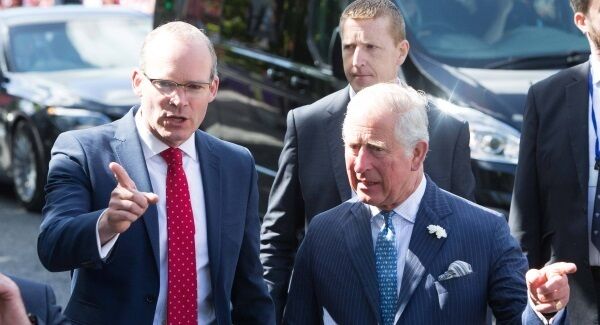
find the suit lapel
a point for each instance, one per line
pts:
(337, 112)
(211, 182)
(357, 234)
(577, 97)
(128, 151)
(423, 247)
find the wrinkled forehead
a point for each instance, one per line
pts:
(361, 126)
(367, 137)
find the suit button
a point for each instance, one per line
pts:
(149, 299)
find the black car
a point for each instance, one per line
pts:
(61, 68)
(276, 55)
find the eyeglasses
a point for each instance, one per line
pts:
(169, 87)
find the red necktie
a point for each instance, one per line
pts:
(182, 301)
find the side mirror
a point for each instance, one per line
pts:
(335, 55)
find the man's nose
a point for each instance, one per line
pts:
(362, 161)
(179, 96)
(357, 57)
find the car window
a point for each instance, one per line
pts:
(77, 44)
(494, 33)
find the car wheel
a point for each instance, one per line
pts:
(27, 172)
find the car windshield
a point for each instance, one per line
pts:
(77, 44)
(507, 34)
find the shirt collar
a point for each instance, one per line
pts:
(409, 208)
(595, 69)
(152, 146)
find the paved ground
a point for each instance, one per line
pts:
(18, 240)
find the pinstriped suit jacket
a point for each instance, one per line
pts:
(335, 267)
(312, 178)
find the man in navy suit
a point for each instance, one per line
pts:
(311, 177)
(119, 215)
(26, 302)
(405, 251)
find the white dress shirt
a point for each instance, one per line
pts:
(593, 174)
(157, 169)
(404, 221)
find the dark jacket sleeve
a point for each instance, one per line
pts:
(40, 302)
(55, 315)
(302, 305)
(448, 161)
(507, 293)
(525, 215)
(463, 180)
(283, 221)
(250, 300)
(68, 232)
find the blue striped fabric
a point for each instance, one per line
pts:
(335, 267)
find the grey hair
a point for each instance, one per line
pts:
(185, 32)
(402, 102)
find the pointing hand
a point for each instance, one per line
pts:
(549, 287)
(126, 205)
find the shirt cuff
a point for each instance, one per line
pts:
(556, 319)
(104, 250)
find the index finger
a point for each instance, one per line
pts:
(122, 177)
(560, 269)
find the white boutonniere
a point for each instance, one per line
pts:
(438, 231)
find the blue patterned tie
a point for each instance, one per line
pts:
(385, 263)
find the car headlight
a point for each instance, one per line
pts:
(75, 118)
(491, 139)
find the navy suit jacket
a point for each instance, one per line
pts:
(123, 289)
(335, 267)
(40, 302)
(312, 177)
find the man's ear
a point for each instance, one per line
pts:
(419, 154)
(402, 48)
(581, 22)
(214, 86)
(136, 82)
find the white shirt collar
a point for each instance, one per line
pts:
(152, 146)
(409, 208)
(595, 69)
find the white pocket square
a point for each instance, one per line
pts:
(456, 270)
(327, 319)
